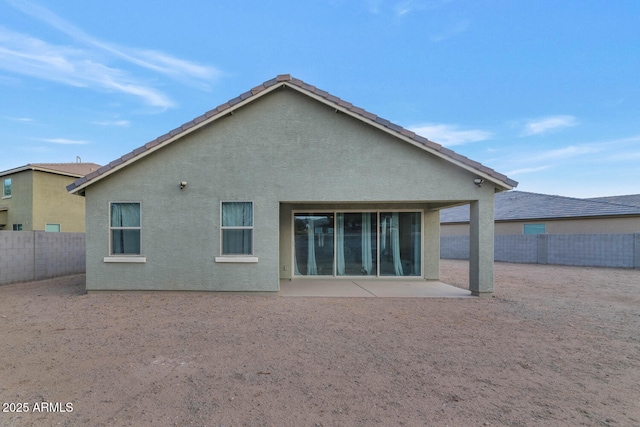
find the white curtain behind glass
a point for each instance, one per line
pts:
(312, 267)
(395, 244)
(367, 261)
(340, 244)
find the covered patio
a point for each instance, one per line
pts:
(370, 288)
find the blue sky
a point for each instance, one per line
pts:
(547, 92)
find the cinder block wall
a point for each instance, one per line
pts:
(37, 255)
(593, 250)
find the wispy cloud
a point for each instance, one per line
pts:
(452, 31)
(123, 123)
(450, 135)
(527, 170)
(545, 124)
(613, 150)
(404, 7)
(88, 64)
(19, 119)
(63, 141)
(401, 8)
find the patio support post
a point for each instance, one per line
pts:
(431, 252)
(481, 246)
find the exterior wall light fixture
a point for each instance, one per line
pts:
(183, 184)
(478, 182)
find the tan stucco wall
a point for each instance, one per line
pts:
(620, 225)
(52, 204)
(20, 204)
(39, 198)
(282, 149)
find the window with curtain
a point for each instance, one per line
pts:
(313, 248)
(237, 228)
(400, 243)
(358, 244)
(125, 228)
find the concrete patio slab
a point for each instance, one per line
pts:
(370, 289)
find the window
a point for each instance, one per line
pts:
(125, 228)
(6, 190)
(358, 244)
(237, 228)
(52, 228)
(17, 227)
(535, 229)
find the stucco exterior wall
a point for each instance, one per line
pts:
(40, 198)
(20, 204)
(52, 204)
(280, 150)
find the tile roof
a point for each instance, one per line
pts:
(630, 200)
(321, 95)
(71, 169)
(521, 205)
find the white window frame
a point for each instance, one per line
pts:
(6, 195)
(237, 258)
(123, 258)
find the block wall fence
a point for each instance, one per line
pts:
(587, 250)
(37, 255)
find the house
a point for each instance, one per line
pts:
(34, 197)
(520, 212)
(284, 182)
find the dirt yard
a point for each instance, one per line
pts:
(557, 346)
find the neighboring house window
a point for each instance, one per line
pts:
(6, 190)
(125, 228)
(52, 228)
(17, 227)
(535, 229)
(237, 228)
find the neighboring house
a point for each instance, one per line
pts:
(519, 212)
(34, 197)
(283, 182)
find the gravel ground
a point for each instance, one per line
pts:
(556, 346)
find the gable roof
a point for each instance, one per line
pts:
(76, 169)
(285, 80)
(521, 205)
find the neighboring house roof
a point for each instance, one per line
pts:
(521, 205)
(75, 170)
(313, 92)
(630, 200)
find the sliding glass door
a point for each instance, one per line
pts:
(400, 244)
(358, 244)
(313, 244)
